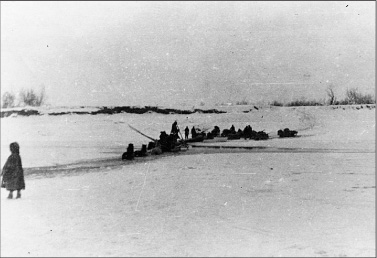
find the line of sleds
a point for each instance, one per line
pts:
(174, 141)
(229, 134)
(232, 134)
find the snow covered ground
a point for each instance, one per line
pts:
(312, 195)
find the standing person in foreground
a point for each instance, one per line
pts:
(13, 173)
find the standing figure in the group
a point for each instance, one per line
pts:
(163, 140)
(174, 128)
(232, 129)
(216, 131)
(193, 132)
(13, 173)
(187, 131)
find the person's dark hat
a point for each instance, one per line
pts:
(14, 147)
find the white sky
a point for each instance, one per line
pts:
(130, 53)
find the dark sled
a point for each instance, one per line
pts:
(287, 133)
(198, 138)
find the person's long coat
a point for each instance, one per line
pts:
(13, 173)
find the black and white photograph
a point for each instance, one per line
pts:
(188, 129)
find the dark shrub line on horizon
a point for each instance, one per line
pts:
(140, 110)
(23, 112)
(113, 110)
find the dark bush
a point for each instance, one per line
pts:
(276, 103)
(353, 96)
(304, 102)
(243, 102)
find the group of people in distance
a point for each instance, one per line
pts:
(168, 142)
(175, 130)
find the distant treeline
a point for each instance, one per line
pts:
(112, 110)
(353, 97)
